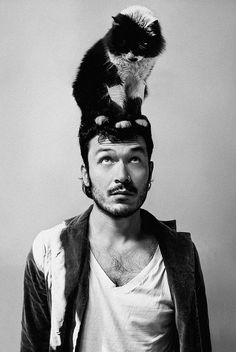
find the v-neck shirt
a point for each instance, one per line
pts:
(137, 316)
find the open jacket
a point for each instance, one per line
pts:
(57, 279)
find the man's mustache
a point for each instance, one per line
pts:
(123, 188)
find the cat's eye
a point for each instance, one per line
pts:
(143, 45)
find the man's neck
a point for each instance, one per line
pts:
(119, 245)
(109, 229)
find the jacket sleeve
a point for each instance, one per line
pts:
(36, 314)
(202, 306)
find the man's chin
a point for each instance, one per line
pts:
(118, 210)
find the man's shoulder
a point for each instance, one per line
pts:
(164, 228)
(53, 233)
(49, 241)
(176, 247)
(46, 236)
(45, 241)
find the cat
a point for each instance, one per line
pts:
(110, 85)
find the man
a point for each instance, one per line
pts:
(114, 278)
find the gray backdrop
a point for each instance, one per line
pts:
(192, 109)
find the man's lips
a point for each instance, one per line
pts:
(123, 191)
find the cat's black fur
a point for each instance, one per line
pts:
(109, 65)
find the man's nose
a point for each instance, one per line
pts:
(121, 173)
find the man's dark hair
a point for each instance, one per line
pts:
(115, 135)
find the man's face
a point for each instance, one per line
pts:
(119, 175)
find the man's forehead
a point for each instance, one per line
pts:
(99, 143)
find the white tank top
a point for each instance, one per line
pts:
(137, 316)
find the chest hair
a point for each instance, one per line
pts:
(123, 266)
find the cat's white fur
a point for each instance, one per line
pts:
(133, 75)
(140, 14)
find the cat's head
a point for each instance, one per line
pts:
(135, 34)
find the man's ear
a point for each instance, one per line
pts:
(85, 176)
(151, 167)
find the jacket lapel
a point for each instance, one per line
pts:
(178, 255)
(77, 251)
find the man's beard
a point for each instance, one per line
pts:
(110, 209)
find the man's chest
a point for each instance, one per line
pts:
(138, 315)
(121, 267)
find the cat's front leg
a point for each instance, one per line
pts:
(134, 107)
(142, 121)
(114, 112)
(134, 110)
(135, 93)
(111, 113)
(107, 108)
(117, 95)
(101, 119)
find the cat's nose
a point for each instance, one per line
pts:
(133, 59)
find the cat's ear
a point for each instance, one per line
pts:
(115, 21)
(155, 28)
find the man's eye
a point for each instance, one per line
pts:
(135, 160)
(106, 160)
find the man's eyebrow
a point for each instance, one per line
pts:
(133, 149)
(139, 149)
(104, 150)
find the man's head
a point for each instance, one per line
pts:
(117, 167)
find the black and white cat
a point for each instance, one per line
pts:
(110, 85)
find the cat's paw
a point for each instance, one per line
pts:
(101, 119)
(142, 122)
(123, 124)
